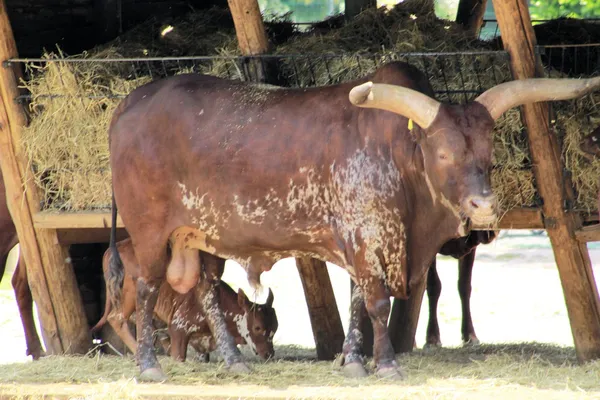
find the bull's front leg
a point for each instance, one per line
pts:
(207, 292)
(147, 295)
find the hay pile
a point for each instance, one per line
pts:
(67, 139)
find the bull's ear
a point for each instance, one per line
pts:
(270, 298)
(242, 299)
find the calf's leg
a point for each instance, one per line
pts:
(434, 289)
(20, 285)
(465, 269)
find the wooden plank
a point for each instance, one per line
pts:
(518, 218)
(52, 279)
(91, 235)
(588, 233)
(572, 258)
(354, 7)
(470, 15)
(74, 220)
(322, 307)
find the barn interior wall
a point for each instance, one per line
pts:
(77, 25)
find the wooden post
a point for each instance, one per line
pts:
(108, 22)
(322, 307)
(572, 258)
(51, 277)
(354, 7)
(470, 15)
(251, 35)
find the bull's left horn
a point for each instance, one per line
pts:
(414, 105)
(507, 95)
(270, 298)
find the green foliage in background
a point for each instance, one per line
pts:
(550, 9)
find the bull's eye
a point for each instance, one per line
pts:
(257, 329)
(443, 156)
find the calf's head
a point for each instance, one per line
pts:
(590, 145)
(456, 140)
(257, 324)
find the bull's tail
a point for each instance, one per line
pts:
(116, 273)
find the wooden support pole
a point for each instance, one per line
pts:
(572, 258)
(322, 307)
(470, 15)
(251, 35)
(51, 277)
(354, 7)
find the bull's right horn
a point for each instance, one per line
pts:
(507, 95)
(409, 103)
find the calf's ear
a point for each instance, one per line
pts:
(270, 298)
(242, 299)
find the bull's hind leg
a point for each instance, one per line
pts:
(353, 344)
(152, 258)
(465, 269)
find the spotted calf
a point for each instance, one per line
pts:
(247, 322)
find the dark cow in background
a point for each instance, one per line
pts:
(256, 174)
(464, 250)
(249, 323)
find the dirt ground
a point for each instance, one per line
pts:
(517, 297)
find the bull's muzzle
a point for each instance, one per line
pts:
(482, 210)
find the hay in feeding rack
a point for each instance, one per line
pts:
(67, 140)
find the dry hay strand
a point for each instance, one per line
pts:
(66, 142)
(445, 371)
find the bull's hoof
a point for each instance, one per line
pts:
(431, 347)
(240, 368)
(472, 342)
(36, 355)
(338, 362)
(392, 373)
(355, 370)
(153, 375)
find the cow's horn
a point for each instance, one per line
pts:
(507, 95)
(270, 298)
(414, 105)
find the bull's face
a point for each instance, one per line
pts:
(457, 151)
(456, 140)
(261, 325)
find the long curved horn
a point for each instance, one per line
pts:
(414, 105)
(507, 95)
(270, 298)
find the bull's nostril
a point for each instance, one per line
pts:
(474, 204)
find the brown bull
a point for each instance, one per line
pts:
(256, 174)
(8, 240)
(249, 323)
(464, 250)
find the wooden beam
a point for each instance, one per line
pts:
(74, 220)
(354, 7)
(51, 278)
(517, 218)
(91, 235)
(470, 15)
(572, 258)
(322, 307)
